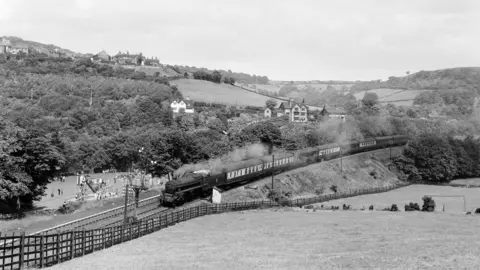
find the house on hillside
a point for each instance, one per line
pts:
(296, 112)
(152, 62)
(129, 59)
(102, 57)
(269, 113)
(182, 106)
(7, 47)
(334, 112)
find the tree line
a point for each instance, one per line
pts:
(438, 158)
(215, 77)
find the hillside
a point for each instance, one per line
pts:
(293, 238)
(48, 49)
(442, 79)
(397, 97)
(199, 90)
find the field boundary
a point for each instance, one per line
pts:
(49, 249)
(104, 215)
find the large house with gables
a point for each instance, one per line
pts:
(182, 106)
(296, 112)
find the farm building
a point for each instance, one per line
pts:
(102, 57)
(296, 112)
(182, 106)
(334, 112)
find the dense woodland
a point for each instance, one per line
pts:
(60, 117)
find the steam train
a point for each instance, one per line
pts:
(200, 183)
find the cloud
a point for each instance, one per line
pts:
(5, 10)
(304, 39)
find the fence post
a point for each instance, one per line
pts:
(58, 247)
(139, 227)
(83, 242)
(72, 245)
(103, 237)
(22, 247)
(42, 249)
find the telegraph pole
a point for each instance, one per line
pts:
(273, 168)
(341, 160)
(390, 150)
(126, 203)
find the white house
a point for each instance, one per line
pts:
(182, 106)
(296, 112)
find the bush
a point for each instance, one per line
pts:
(371, 207)
(394, 208)
(346, 207)
(308, 206)
(412, 207)
(319, 191)
(428, 204)
(477, 211)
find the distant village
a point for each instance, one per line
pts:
(121, 58)
(296, 112)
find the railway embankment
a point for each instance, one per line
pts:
(363, 170)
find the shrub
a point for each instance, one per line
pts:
(412, 207)
(394, 208)
(345, 207)
(334, 207)
(477, 211)
(308, 206)
(334, 188)
(428, 204)
(371, 207)
(319, 191)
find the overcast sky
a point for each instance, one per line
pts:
(284, 40)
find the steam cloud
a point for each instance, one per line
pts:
(239, 154)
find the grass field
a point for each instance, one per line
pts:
(394, 96)
(467, 182)
(295, 239)
(199, 90)
(415, 193)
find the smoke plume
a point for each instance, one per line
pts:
(239, 154)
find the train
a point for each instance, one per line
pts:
(200, 183)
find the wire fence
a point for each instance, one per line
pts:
(46, 249)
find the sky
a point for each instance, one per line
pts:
(284, 40)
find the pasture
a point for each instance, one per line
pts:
(206, 91)
(395, 96)
(291, 238)
(414, 193)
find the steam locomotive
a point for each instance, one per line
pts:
(200, 183)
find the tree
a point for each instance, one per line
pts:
(271, 104)
(216, 76)
(411, 113)
(370, 99)
(185, 75)
(429, 157)
(28, 161)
